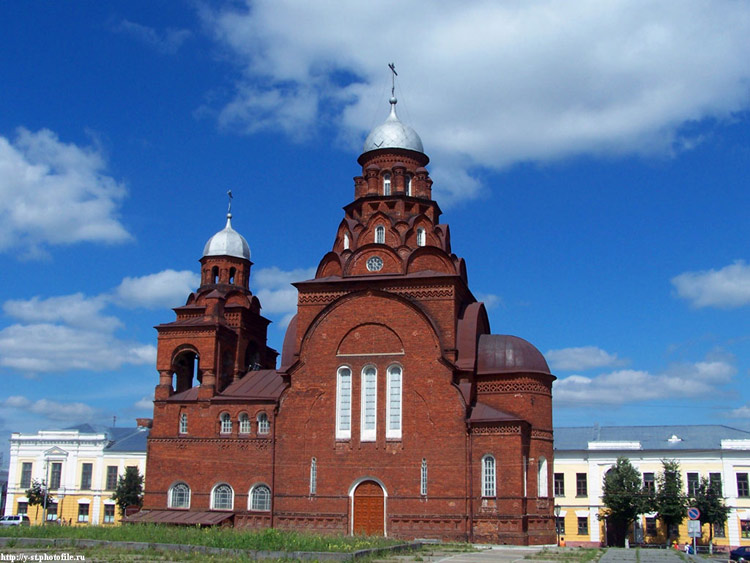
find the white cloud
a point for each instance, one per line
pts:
(75, 310)
(276, 294)
(144, 404)
(167, 42)
(580, 359)
(168, 288)
(52, 193)
(52, 410)
(491, 84)
(490, 300)
(634, 386)
(740, 412)
(725, 288)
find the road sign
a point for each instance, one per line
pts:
(694, 513)
(694, 528)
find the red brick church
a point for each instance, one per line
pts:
(394, 409)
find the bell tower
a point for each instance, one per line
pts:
(219, 334)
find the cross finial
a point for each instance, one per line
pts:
(392, 66)
(229, 209)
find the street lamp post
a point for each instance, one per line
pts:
(557, 523)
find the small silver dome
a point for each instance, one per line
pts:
(227, 242)
(393, 135)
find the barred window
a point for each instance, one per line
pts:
(488, 476)
(386, 184)
(183, 423)
(393, 414)
(343, 403)
(264, 426)
(244, 423)
(380, 234)
(260, 498)
(179, 496)
(423, 480)
(222, 497)
(313, 476)
(226, 423)
(369, 403)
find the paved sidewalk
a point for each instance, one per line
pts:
(617, 555)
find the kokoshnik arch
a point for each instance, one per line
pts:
(393, 411)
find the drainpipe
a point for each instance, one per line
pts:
(273, 465)
(469, 469)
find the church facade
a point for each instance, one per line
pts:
(393, 409)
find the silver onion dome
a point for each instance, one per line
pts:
(227, 242)
(393, 134)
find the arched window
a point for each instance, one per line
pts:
(260, 498)
(407, 180)
(222, 497)
(423, 478)
(420, 236)
(226, 423)
(183, 423)
(369, 403)
(215, 274)
(393, 408)
(542, 489)
(244, 423)
(386, 184)
(380, 234)
(346, 241)
(263, 425)
(343, 403)
(313, 476)
(179, 496)
(232, 273)
(488, 476)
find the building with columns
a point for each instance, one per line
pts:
(393, 409)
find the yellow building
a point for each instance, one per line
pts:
(584, 455)
(80, 464)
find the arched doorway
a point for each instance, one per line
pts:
(369, 509)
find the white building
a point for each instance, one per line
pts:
(584, 455)
(80, 464)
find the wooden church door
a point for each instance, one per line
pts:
(369, 509)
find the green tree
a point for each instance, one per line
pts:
(623, 498)
(709, 501)
(129, 491)
(38, 496)
(670, 500)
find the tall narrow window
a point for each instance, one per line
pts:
(649, 483)
(393, 408)
(369, 403)
(583, 525)
(183, 423)
(488, 476)
(407, 181)
(559, 484)
(25, 475)
(313, 476)
(226, 423)
(83, 512)
(386, 184)
(109, 513)
(714, 480)
(344, 404)
(423, 478)
(346, 241)
(111, 477)
(244, 423)
(542, 489)
(693, 479)
(420, 236)
(380, 234)
(743, 488)
(86, 471)
(264, 426)
(55, 476)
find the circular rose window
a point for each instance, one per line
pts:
(375, 263)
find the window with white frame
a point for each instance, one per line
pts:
(25, 482)
(420, 236)
(346, 241)
(344, 403)
(313, 476)
(407, 180)
(393, 408)
(183, 423)
(380, 234)
(179, 496)
(542, 489)
(260, 498)
(109, 513)
(369, 402)
(83, 512)
(423, 478)
(244, 423)
(222, 497)
(386, 184)
(264, 426)
(488, 476)
(226, 423)
(743, 486)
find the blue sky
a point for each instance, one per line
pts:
(591, 159)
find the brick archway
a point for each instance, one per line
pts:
(369, 509)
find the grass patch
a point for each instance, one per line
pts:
(568, 555)
(229, 538)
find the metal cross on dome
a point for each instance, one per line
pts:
(392, 66)
(229, 193)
